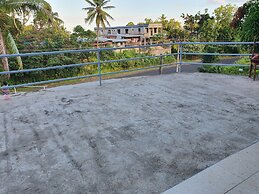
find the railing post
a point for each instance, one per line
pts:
(99, 67)
(161, 63)
(179, 58)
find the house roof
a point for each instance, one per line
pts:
(125, 27)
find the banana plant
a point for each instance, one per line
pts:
(13, 49)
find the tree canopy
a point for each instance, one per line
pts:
(246, 20)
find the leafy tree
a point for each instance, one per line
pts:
(79, 31)
(163, 20)
(148, 20)
(90, 34)
(190, 23)
(24, 9)
(217, 27)
(130, 24)
(47, 39)
(223, 18)
(174, 30)
(42, 20)
(97, 12)
(202, 19)
(17, 9)
(246, 20)
(209, 32)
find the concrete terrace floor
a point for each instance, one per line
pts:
(136, 135)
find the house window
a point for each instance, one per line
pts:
(127, 31)
(139, 30)
(155, 30)
(109, 31)
(119, 31)
(146, 30)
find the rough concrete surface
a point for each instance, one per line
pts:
(137, 135)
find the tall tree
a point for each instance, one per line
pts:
(97, 11)
(202, 19)
(163, 20)
(23, 10)
(174, 30)
(18, 10)
(223, 18)
(217, 27)
(42, 20)
(190, 23)
(246, 20)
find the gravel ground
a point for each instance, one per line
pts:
(135, 135)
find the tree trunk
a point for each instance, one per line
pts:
(97, 38)
(3, 52)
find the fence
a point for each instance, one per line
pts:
(99, 63)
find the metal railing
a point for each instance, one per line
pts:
(99, 63)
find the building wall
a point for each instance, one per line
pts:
(153, 29)
(145, 30)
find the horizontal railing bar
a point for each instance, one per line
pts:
(48, 53)
(48, 81)
(122, 48)
(78, 65)
(110, 61)
(220, 43)
(83, 50)
(120, 60)
(80, 77)
(138, 69)
(47, 68)
(215, 64)
(217, 54)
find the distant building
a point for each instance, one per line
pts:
(133, 35)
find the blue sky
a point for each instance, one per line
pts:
(71, 12)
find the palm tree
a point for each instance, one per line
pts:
(42, 20)
(24, 9)
(11, 9)
(97, 12)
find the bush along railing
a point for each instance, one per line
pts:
(214, 50)
(50, 67)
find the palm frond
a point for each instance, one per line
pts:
(90, 17)
(109, 16)
(104, 2)
(108, 7)
(91, 3)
